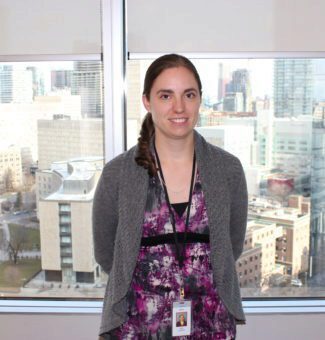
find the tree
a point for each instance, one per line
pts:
(19, 201)
(8, 179)
(6, 206)
(18, 239)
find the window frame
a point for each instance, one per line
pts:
(114, 59)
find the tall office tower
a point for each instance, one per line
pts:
(87, 82)
(223, 80)
(233, 102)
(60, 79)
(77, 138)
(292, 150)
(65, 223)
(293, 87)
(5, 84)
(318, 177)
(15, 84)
(38, 81)
(317, 263)
(240, 83)
(22, 80)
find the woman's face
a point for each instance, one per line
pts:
(174, 103)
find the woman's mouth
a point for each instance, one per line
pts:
(178, 120)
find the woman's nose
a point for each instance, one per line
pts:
(179, 105)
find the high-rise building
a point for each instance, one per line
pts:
(233, 102)
(223, 80)
(38, 81)
(5, 84)
(240, 83)
(292, 150)
(65, 224)
(87, 82)
(293, 87)
(62, 139)
(16, 84)
(60, 79)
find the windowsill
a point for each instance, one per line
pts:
(95, 307)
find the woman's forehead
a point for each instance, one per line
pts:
(176, 77)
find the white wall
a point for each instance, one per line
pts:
(85, 327)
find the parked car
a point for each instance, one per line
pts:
(296, 283)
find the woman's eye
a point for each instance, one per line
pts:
(191, 95)
(165, 96)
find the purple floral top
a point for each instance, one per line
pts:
(157, 277)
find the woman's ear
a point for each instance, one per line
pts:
(146, 103)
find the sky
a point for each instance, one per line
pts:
(261, 74)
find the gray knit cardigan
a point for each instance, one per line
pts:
(118, 214)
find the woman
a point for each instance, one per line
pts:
(169, 219)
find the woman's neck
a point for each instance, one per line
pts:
(175, 150)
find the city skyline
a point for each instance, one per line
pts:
(276, 153)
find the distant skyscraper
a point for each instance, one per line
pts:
(223, 80)
(241, 84)
(38, 81)
(318, 175)
(16, 84)
(6, 84)
(293, 87)
(60, 79)
(233, 102)
(87, 82)
(292, 150)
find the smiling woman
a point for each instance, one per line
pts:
(169, 220)
(174, 102)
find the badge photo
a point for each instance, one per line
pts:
(182, 318)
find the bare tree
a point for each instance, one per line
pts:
(8, 179)
(18, 239)
(19, 200)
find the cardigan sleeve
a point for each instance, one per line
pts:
(105, 214)
(238, 213)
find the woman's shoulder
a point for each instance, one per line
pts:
(115, 165)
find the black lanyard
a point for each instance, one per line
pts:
(179, 252)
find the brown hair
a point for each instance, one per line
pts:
(144, 157)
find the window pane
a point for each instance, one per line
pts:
(271, 115)
(51, 155)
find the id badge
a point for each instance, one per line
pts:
(182, 318)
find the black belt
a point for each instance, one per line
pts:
(170, 239)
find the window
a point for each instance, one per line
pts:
(51, 119)
(282, 107)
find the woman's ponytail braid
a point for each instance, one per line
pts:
(144, 157)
